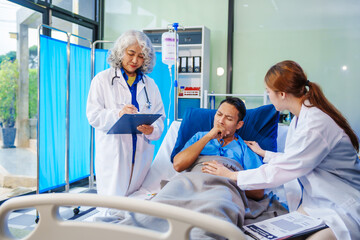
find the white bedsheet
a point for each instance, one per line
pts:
(161, 168)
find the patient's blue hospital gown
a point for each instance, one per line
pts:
(236, 149)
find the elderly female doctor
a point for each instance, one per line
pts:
(123, 160)
(320, 151)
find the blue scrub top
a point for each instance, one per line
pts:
(236, 149)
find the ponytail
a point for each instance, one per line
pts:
(317, 98)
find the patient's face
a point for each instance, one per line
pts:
(227, 116)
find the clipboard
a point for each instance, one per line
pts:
(128, 123)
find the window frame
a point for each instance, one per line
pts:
(48, 10)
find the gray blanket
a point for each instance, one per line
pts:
(214, 195)
(206, 193)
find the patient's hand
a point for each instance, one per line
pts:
(255, 194)
(218, 131)
(215, 168)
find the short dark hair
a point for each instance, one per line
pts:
(238, 104)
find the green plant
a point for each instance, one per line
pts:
(33, 93)
(9, 56)
(9, 75)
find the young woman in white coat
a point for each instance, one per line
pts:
(123, 160)
(320, 151)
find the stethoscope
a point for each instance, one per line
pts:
(148, 103)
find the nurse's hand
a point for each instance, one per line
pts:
(145, 129)
(128, 109)
(215, 168)
(256, 148)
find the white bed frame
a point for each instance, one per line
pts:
(51, 226)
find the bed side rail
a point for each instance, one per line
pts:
(51, 226)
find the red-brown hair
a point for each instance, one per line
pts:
(289, 77)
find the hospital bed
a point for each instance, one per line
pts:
(51, 226)
(181, 220)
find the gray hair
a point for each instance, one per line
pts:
(128, 38)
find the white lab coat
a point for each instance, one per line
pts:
(113, 152)
(318, 153)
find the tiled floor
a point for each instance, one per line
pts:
(19, 161)
(18, 170)
(22, 163)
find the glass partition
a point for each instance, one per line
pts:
(18, 99)
(322, 36)
(85, 8)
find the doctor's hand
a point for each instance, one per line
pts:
(215, 168)
(256, 148)
(128, 109)
(145, 129)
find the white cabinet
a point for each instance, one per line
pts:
(193, 79)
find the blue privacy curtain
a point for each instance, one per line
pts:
(79, 143)
(52, 113)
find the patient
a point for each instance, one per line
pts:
(222, 140)
(206, 193)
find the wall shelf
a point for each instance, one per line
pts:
(193, 42)
(189, 96)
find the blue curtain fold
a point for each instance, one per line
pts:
(79, 133)
(52, 113)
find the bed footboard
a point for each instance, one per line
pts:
(51, 226)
